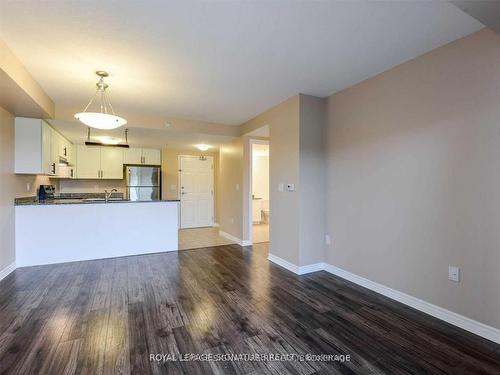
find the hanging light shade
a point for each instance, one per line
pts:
(106, 118)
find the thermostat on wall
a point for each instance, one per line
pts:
(290, 187)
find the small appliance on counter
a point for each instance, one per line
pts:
(143, 183)
(46, 192)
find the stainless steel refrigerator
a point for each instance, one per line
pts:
(143, 183)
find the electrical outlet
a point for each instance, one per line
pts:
(454, 274)
(28, 187)
(281, 187)
(328, 240)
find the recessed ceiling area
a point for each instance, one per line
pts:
(222, 62)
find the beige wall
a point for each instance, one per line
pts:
(260, 176)
(19, 92)
(283, 121)
(413, 177)
(7, 189)
(296, 129)
(12, 186)
(230, 188)
(170, 168)
(312, 180)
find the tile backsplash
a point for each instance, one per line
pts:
(90, 186)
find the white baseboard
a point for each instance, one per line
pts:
(235, 239)
(7, 270)
(478, 328)
(299, 270)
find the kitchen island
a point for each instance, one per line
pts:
(58, 231)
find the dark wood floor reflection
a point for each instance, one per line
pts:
(109, 316)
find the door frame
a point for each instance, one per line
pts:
(179, 187)
(252, 142)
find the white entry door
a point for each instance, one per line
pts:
(196, 180)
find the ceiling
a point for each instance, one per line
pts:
(222, 62)
(141, 137)
(486, 11)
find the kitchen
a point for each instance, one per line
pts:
(129, 219)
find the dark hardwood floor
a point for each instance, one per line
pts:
(109, 316)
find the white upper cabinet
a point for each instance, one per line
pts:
(95, 162)
(151, 156)
(146, 156)
(65, 149)
(112, 163)
(47, 166)
(37, 147)
(88, 162)
(132, 156)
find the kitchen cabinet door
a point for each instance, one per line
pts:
(55, 142)
(112, 163)
(88, 162)
(64, 148)
(132, 156)
(46, 149)
(151, 156)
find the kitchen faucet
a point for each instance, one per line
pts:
(108, 195)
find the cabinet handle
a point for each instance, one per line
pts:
(71, 172)
(54, 168)
(98, 174)
(65, 152)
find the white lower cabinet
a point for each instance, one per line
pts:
(99, 162)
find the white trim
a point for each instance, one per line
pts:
(468, 324)
(311, 268)
(7, 270)
(299, 270)
(478, 328)
(252, 142)
(235, 239)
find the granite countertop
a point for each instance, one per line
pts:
(33, 201)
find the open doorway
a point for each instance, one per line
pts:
(260, 212)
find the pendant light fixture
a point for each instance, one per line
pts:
(106, 118)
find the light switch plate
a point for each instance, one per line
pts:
(454, 273)
(281, 187)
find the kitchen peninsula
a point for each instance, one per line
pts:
(67, 230)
